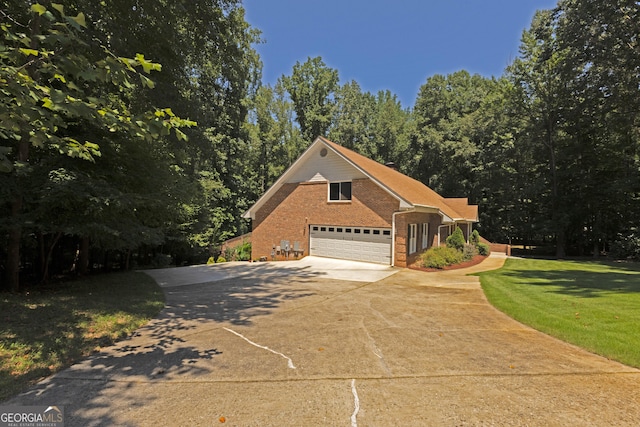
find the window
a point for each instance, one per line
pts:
(425, 235)
(331, 229)
(412, 234)
(357, 231)
(386, 233)
(339, 230)
(339, 191)
(347, 230)
(376, 231)
(367, 231)
(323, 228)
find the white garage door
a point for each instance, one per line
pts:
(354, 243)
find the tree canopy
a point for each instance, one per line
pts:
(102, 164)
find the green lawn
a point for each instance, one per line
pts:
(595, 305)
(42, 332)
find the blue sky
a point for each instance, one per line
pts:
(394, 45)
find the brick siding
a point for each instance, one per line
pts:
(289, 212)
(402, 240)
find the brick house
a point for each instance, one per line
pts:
(336, 203)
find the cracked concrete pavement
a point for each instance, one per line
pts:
(300, 343)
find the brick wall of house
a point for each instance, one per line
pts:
(289, 212)
(402, 241)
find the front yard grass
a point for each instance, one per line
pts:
(594, 305)
(42, 332)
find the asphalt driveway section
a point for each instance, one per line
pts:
(412, 348)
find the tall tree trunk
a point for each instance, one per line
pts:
(15, 233)
(45, 273)
(13, 246)
(83, 267)
(555, 193)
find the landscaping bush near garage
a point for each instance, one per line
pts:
(595, 305)
(45, 330)
(456, 251)
(441, 257)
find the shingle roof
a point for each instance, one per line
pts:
(412, 191)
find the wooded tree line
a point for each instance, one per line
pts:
(104, 95)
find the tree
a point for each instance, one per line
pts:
(312, 88)
(579, 82)
(52, 86)
(354, 115)
(390, 131)
(447, 136)
(212, 71)
(601, 41)
(276, 141)
(536, 73)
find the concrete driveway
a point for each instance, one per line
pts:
(310, 266)
(271, 345)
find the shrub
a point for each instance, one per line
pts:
(475, 238)
(211, 260)
(243, 252)
(440, 257)
(469, 252)
(221, 259)
(456, 240)
(626, 247)
(483, 249)
(161, 261)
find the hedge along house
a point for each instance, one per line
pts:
(333, 202)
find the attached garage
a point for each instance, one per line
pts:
(354, 243)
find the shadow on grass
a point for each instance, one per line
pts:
(591, 282)
(45, 330)
(161, 350)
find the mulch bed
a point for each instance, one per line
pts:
(473, 261)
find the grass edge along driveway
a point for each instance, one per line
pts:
(594, 305)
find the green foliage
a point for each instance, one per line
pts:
(626, 247)
(441, 257)
(211, 261)
(590, 304)
(469, 252)
(67, 97)
(311, 87)
(162, 261)
(44, 95)
(243, 252)
(456, 240)
(475, 238)
(483, 249)
(221, 259)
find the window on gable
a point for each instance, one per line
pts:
(340, 191)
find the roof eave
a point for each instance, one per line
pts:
(405, 204)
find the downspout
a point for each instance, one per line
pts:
(393, 234)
